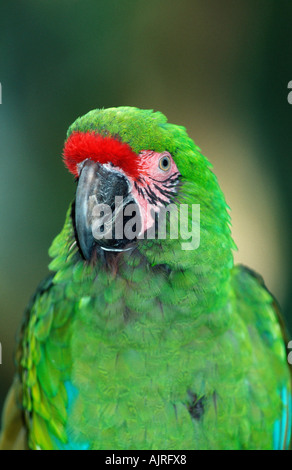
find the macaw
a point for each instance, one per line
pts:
(149, 339)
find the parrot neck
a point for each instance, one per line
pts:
(148, 280)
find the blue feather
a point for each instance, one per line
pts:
(72, 444)
(282, 427)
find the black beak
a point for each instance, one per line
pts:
(98, 211)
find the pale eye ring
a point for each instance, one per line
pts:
(164, 163)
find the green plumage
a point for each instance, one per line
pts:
(168, 349)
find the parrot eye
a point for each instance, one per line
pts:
(164, 163)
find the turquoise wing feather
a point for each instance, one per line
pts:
(266, 325)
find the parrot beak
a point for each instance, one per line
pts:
(97, 210)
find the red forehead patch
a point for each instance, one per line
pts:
(103, 149)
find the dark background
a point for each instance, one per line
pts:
(220, 68)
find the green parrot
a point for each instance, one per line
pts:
(138, 340)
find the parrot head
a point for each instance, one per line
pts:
(130, 164)
(110, 175)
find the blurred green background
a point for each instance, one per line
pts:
(221, 68)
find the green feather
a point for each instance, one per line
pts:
(172, 349)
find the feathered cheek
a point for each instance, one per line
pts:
(148, 216)
(147, 212)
